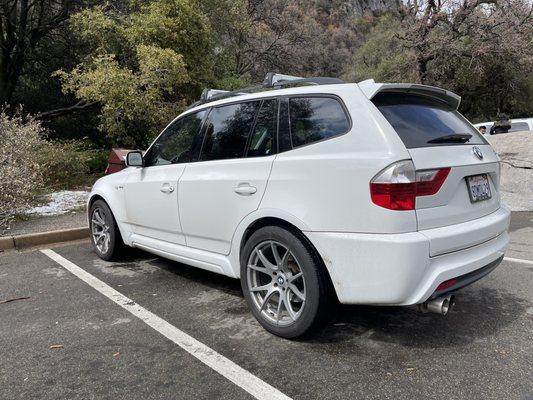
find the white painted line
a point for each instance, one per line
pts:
(518, 260)
(225, 367)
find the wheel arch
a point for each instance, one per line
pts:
(295, 226)
(118, 216)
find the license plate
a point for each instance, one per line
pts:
(478, 187)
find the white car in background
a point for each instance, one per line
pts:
(517, 125)
(370, 193)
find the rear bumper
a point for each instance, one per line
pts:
(398, 269)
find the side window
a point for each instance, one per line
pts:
(316, 118)
(174, 145)
(262, 137)
(519, 126)
(227, 131)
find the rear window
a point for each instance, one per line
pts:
(519, 126)
(418, 120)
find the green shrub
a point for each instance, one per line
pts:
(21, 140)
(97, 161)
(65, 164)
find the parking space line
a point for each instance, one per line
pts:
(225, 367)
(518, 260)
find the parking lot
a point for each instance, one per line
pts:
(101, 333)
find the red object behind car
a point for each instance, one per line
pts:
(116, 161)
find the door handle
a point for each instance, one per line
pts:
(166, 188)
(245, 189)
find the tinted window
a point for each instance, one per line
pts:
(519, 126)
(418, 119)
(262, 137)
(227, 131)
(316, 118)
(175, 143)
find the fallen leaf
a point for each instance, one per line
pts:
(56, 346)
(411, 369)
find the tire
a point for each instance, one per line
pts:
(278, 265)
(105, 235)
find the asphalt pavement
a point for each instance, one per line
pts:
(64, 339)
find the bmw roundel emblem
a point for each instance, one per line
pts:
(477, 152)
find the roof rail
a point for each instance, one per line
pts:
(271, 81)
(208, 94)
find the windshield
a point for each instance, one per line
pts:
(422, 121)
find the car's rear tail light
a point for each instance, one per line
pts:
(397, 186)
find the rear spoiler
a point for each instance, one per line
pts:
(371, 88)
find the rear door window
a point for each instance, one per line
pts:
(313, 119)
(419, 120)
(262, 137)
(227, 131)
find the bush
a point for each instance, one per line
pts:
(70, 164)
(97, 161)
(21, 140)
(65, 165)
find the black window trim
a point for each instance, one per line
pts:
(275, 136)
(199, 132)
(275, 148)
(318, 95)
(203, 130)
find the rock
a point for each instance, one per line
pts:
(516, 182)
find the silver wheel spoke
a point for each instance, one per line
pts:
(261, 288)
(275, 253)
(297, 292)
(288, 306)
(285, 259)
(294, 277)
(259, 269)
(267, 298)
(281, 302)
(265, 261)
(99, 217)
(96, 222)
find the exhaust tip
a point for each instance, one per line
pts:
(440, 305)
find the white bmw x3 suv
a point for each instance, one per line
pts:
(371, 193)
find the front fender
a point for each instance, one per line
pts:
(111, 189)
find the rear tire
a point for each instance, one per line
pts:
(283, 282)
(105, 235)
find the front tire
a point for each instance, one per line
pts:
(283, 282)
(105, 235)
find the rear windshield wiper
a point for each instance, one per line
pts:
(453, 138)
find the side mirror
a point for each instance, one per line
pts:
(134, 159)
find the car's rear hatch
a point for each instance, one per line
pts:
(438, 137)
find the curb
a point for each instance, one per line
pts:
(37, 239)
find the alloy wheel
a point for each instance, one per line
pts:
(276, 283)
(100, 230)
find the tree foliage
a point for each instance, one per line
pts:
(480, 49)
(129, 66)
(143, 66)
